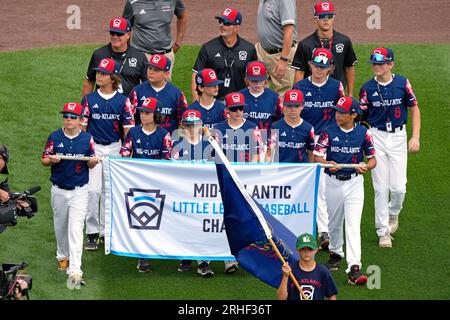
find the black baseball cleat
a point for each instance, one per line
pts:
(355, 277)
(185, 266)
(205, 270)
(92, 242)
(324, 241)
(143, 265)
(334, 260)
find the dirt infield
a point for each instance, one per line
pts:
(35, 24)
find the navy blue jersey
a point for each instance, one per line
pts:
(211, 116)
(264, 109)
(291, 143)
(104, 118)
(69, 173)
(239, 145)
(318, 101)
(139, 144)
(387, 103)
(317, 284)
(345, 147)
(184, 150)
(172, 99)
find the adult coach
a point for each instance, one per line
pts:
(70, 190)
(151, 21)
(326, 37)
(277, 33)
(228, 55)
(387, 98)
(132, 62)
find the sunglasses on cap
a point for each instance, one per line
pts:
(325, 16)
(321, 59)
(378, 57)
(113, 33)
(225, 23)
(234, 109)
(70, 116)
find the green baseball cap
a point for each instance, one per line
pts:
(306, 240)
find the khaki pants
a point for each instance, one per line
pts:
(280, 85)
(171, 56)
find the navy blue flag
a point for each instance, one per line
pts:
(246, 236)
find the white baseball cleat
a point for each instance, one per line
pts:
(385, 241)
(393, 223)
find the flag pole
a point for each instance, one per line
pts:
(252, 204)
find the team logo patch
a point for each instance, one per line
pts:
(339, 47)
(212, 75)
(325, 6)
(227, 12)
(236, 98)
(144, 208)
(132, 62)
(116, 23)
(104, 63)
(256, 71)
(156, 59)
(243, 55)
(308, 291)
(293, 96)
(341, 102)
(192, 114)
(71, 106)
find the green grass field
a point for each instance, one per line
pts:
(36, 83)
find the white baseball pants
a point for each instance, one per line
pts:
(345, 201)
(322, 212)
(95, 219)
(389, 176)
(69, 212)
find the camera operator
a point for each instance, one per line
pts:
(4, 186)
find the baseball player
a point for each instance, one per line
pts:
(314, 279)
(148, 141)
(386, 99)
(291, 138)
(171, 98)
(192, 147)
(240, 138)
(211, 109)
(341, 143)
(70, 191)
(320, 92)
(105, 113)
(262, 105)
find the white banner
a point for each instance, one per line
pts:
(173, 209)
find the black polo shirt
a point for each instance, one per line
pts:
(227, 62)
(133, 65)
(341, 47)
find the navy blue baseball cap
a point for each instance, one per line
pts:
(348, 105)
(381, 56)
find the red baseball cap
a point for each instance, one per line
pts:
(107, 66)
(381, 55)
(150, 105)
(322, 57)
(73, 107)
(160, 62)
(230, 15)
(256, 71)
(207, 78)
(348, 105)
(293, 98)
(234, 99)
(191, 117)
(119, 25)
(323, 8)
